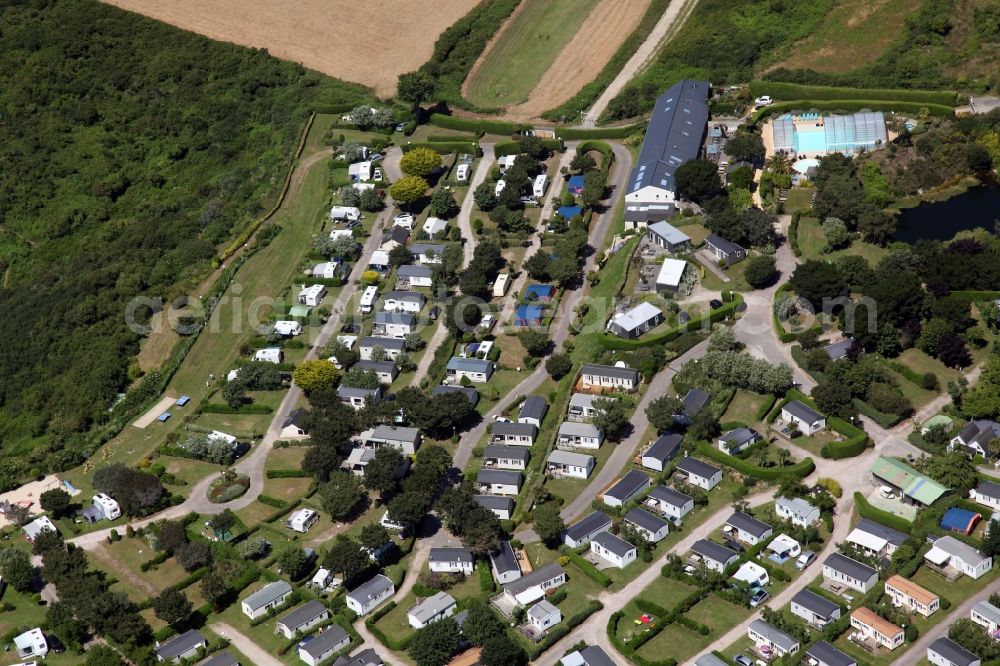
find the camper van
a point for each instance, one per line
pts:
(541, 184)
(462, 173)
(349, 213)
(368, 299)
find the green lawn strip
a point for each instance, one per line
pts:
(744, 407)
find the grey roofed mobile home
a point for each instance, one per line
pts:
(533, 407)
(709, 659)
(645, 520)
(221, 659)
(694, 466)
(666, 447)
(355, 392)
(370, 589)
(670, 234)
(499, 476)
(459, 364)
(747, 523)
(470, 393)
(267, 594)
(722, 245)
(388, 344)
(895, 537)
(988, 611)
(514, 429)
(304, 614)
(384, 432)
(669, 496)
(630, 485)
(404, 295)
(827, 655)
(591, 655)
(737, 438)
(430, 607)
(413, 271)
(180, 646)
(495, 503)
(513, 452)
(953, 652)
(630, 374)
(614, 544)
(713, 551)
(802, 411)
(395, 318)
(694, 400)
(328, 639)
(673, 137)
(989, 489)
(367, 657)
(773, 634)
(504, 559)
(445, 554)
(581, 530)
(529, 580)
(849, 567)
(814, 603)
(378, 367)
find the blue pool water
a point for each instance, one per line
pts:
(810, 142)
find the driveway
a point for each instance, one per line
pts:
(242, 642)
(468, 204)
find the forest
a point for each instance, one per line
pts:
(129, 151)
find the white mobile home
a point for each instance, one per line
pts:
(367, 596)
(266, 599)
(540, 185)
(349, 213)
(368, 299)
(312, 295)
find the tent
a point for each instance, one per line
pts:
(960, 520)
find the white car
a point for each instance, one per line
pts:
(886, 492)
(487, 322)
(762, 101)
(377, 174)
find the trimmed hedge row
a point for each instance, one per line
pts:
(272, 501)
(857, 439)
(781, 90)
(447, 148)
(391, 643)
(629, 653)
(851, 105)
(799, 470)
(866, 510)
(217, 408)
(514, 147)
(588, 569)
(286, 473)
(765, 408)
(885, 420)
(612, 342)
(574, 133)
(477, 126)
(793, 233)
(601, 147)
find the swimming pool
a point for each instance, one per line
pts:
(810, 141)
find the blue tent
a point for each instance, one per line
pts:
(528, 315)
(162, 418)
(574, 185)
(960, 520)
(569, 211)
(183, 400)
(541, 292)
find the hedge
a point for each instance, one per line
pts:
(475, 125)
(850, 106)
(857, 439)
(977, 295)
(514, 147)
(799, 470)
(866, 510)
(557, 634)
(283, 511)
(629, 653)
(601, 147)
(217, 408)
(447, 148)
(588, 569)
(578, 134)
(612, 342)
(450, 137)
(333, 108)
(763, 410)
(793, 233)
(272, 501)
(391, 643)
(908, 373)
(486, 584)
(287, 474)
(887, 421)
(787, 91)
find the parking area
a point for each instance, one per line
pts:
(893, 505)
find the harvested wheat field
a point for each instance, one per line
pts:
(370, 43)
(562, 52)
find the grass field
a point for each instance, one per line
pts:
(853, 34)
(743, 407)
(812, 242)
(524, 49)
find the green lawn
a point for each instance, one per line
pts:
(814, 443)
(743, 407)
(694, 227)
(812, 243)
(799, 198)
(525, 48)
(735, 273)
(921, 363)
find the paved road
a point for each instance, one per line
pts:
(677, 12)
(468, 204)
(601, 225)
(244, 644)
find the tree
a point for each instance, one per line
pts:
(780, 163)
(532, 146)
(234, 393)
(253, 547)
(558, 365)
(321, 460)
(408, 189)
(172, 536)
(548, 524)
(482, 623)
(61, 620)
(953, 352)
(833, 398)
(485, 197)
(415, 87)
(435, 644)
(593, 188)
(501, 650)
(952, 469)
(741, 178)
(102, 655)
(291, 560)
(973, 637)
(223, 522)
(836, 233)
(443, 204)
(760, 271)
(346, 557)
(344, 247)
(535, 343)
(610, 417)
(745, 147)
(698, 180)
(817, 281)
(194, 555)
(16, 569)
(660, 412)
(171, 606)
(931, 334)
(213, 586)
(371, 201)
(564, 270)
(315, 374)
(358, 378)
(381, 471)
(704, 424)
(56, 501)
(408, 508)
(991, 540)
(420, 162)
(374, 536)
(582, 162)
(341, 494)
(537, 266)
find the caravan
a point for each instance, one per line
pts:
(311, 295)
(540, 185)
(349, 213)
(288, 328)
(368, 299)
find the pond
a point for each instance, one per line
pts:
(977, 207)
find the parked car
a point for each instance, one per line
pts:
(683, 317)
(377, 173)
(434, 313)
(487, 322)
(715, 304)
(805, 559)
(350, 328)
(759, 597)
(886, 492)
(762, 101)
(734, 545)
(742, 660)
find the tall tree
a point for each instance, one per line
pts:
(341, 495)
(171, 606)
(435, 644)
(415, 87)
